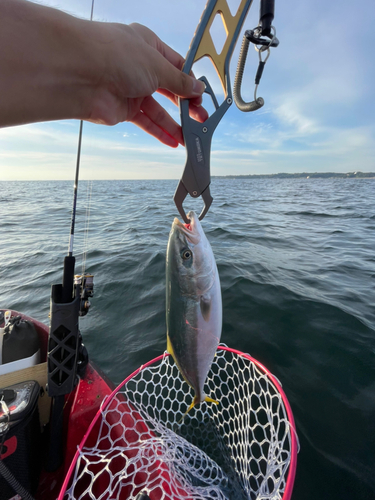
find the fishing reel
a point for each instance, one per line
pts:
(85, 285)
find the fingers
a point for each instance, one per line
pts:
(154, 41)
(180, 84)
(195, 101)
(198, 113)
(196, 110)
(172, 79)
(171, 55)
(153, 119)
(167, 65)
(158, 67)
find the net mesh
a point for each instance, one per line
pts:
(240, 449)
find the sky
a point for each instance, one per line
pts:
(318, 87)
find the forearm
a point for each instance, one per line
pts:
(54, 66)
(48, 68)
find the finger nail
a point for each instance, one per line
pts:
(198, 87)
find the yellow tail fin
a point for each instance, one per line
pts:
(210, 400)
(195, 402)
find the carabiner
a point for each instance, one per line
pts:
(261, 65)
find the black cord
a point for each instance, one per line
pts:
(12, 481)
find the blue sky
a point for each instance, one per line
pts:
(318, 87)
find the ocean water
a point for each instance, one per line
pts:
(296, 259)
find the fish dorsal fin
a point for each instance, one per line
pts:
(205, 303)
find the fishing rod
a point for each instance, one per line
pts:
(69, 261)
(67, 356)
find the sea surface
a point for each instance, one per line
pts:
(296, 259)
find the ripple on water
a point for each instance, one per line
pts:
(297, 268)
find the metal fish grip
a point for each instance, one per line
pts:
(196, 177)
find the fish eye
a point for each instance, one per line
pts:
(186, 254)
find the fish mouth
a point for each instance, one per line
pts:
(184, 228)
(189, 230)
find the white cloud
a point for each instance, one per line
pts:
(48, 151)
(317, 87)
(290, 115)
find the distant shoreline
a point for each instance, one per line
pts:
(282, 175)
(303, 175)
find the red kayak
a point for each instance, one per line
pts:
(136, 441)
(80, 407)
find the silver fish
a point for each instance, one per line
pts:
(194, 308)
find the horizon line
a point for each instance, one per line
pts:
(371, 174)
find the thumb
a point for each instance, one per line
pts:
(174, 80)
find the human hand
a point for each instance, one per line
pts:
(58, 67)
(138, 63)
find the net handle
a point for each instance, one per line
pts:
(293, 461)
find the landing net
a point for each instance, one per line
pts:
(245, 448)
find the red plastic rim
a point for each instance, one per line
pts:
(294, 446)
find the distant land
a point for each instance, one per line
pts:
(303, 175)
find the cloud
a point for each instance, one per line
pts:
(318, 114)
(292, 116)
(49, 151)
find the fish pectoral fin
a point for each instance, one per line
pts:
(205, 304)
(170, 347)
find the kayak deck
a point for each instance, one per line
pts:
(81, 405)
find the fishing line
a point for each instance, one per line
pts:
(75, 192)
(87, 224)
